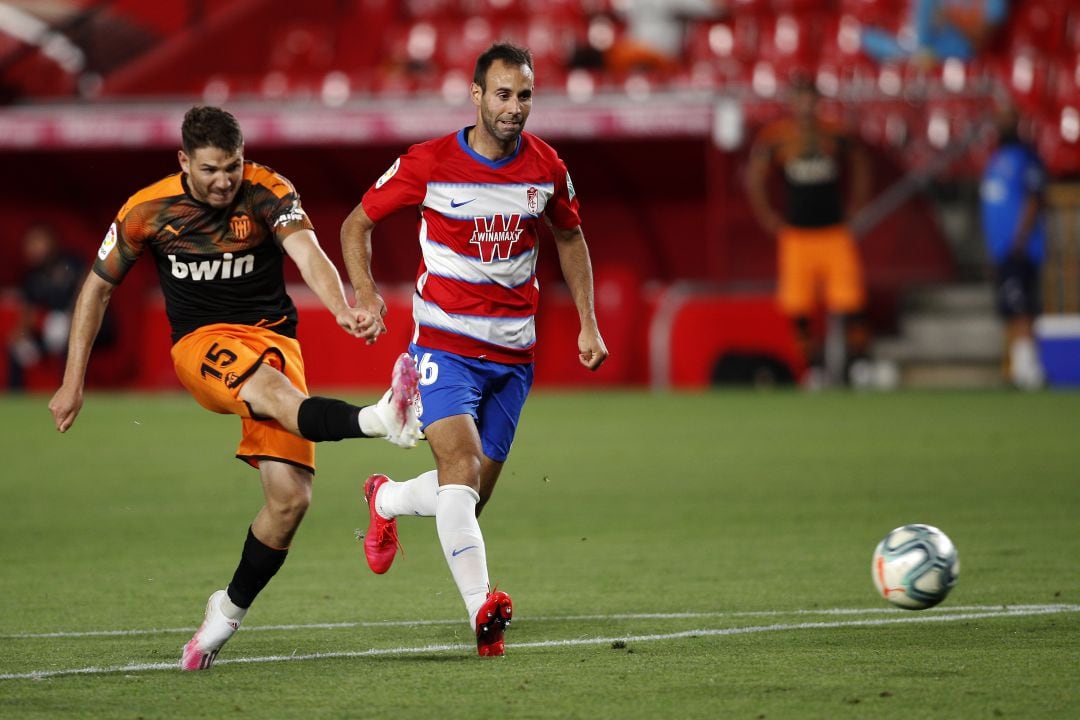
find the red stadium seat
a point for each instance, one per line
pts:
(1038, 25)
(432, 9)
(712, 54)
(838, 36)
(302, 48)
(748, 33)
(1072, 31)
(1066, 80)
(708, 41)
(785, 39)
(1026, 77)
(499, 11)
(353, 49)
(1059, 141)
(804, 6)
(888, 14)
(886, 123)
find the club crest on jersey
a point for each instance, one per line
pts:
(240, 225)
(533, 196)
(495, 236)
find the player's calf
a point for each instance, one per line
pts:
(394, 418)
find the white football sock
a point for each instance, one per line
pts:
(463, 544)
(230, 609)
(412, 497)
(1027, 372)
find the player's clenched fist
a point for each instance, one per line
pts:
(65, 406)
(592, 352)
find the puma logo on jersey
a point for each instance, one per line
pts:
(495, 237)
(173, 230)
(225, 268)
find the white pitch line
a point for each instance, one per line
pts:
(1016, 611)
(540, 618)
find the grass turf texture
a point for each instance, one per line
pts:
(611, 505)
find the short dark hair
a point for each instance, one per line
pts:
(510, 54)
(206, 126)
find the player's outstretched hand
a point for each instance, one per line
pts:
(65, 406)
(592, 352)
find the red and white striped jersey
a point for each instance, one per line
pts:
(476, 289)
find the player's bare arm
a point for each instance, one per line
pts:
(356, 250)
(757, 172)
(322, 277)
(85, 324)
(861, 181)
(577, 272)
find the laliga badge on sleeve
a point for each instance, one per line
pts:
(388, 174)
(108, 243)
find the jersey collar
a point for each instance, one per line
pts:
(463, 143)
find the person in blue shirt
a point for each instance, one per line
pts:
(1011, 197)
(938, 29)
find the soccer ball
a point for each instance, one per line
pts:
(915, 566)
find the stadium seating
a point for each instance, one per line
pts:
(331, 51)
(330, 54)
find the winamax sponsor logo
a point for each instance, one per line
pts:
(495, 236)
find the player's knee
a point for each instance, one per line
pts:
(290, 507)
(460, 468)
(270, 394)
(257, 390)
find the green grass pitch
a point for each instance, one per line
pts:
(670, 556)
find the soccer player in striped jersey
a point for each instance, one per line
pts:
(483, 193)
(218, 232)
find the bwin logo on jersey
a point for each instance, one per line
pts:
(225, 268)
(496, 236)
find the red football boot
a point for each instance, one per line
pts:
(381, 540)
(491, 622)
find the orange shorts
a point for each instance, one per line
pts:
(214, 361)
(823, 261)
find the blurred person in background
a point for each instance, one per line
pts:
(218, 232)
(1011, 198)
(640, 35)
(816, 251)
(938, 29)
(46, 299)
(483, 194)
